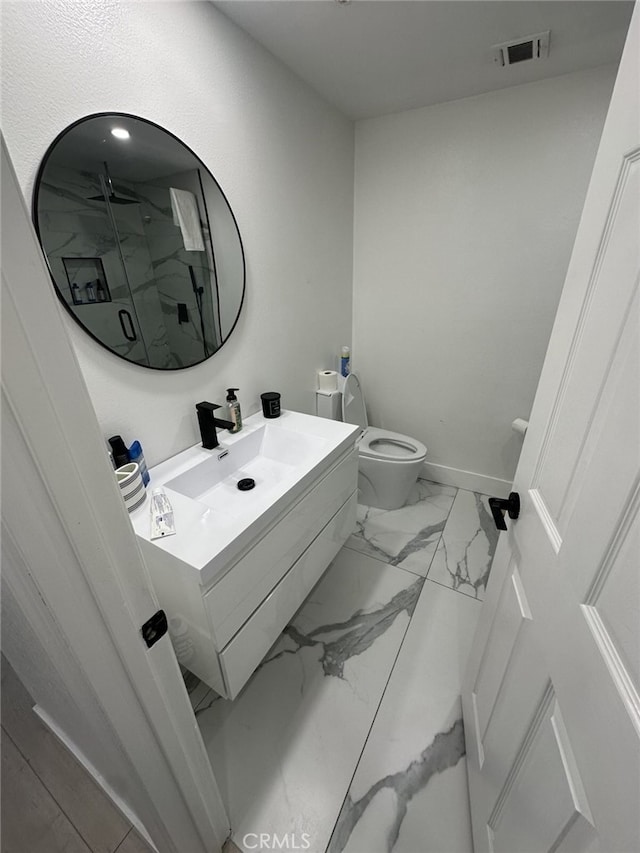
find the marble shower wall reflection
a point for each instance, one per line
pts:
(72, 226)
(170, 262)
(145, 266)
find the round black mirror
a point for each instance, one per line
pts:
(143, 247)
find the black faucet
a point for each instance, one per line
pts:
(208, 424)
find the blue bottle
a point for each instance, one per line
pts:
(136, 455)
(345, 361)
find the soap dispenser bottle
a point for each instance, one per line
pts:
(234, 409)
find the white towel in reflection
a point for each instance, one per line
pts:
(185, 214)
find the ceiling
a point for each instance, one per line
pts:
(372, 57)
(150, 152)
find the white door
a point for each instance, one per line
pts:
(552, 694)
(75, 591)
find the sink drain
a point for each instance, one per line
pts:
(247, 484)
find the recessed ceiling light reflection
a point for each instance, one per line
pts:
(120, 133)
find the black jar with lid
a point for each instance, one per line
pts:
(270, 404)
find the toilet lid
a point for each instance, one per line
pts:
(353, 409)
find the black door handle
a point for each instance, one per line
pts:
(498, 505)
(131, 334)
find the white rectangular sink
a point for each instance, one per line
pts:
(214, 519)
(270, 455)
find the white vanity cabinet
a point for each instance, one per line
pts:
(224, 615)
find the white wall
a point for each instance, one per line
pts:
(282, 156)
(465, 215)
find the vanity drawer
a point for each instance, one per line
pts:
(243, 654)
(242, 589)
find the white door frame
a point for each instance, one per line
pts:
(72, 570)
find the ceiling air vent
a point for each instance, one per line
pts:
(522, 49)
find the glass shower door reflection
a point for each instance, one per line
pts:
(120, 263)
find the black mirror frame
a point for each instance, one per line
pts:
(34, 216)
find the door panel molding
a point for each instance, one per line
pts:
(618, 541)
(624, 359)
(617, 219)
(574, 780)
(530, 735)
(543, 799)
(547, 522)
(511, 617)
(613, 661)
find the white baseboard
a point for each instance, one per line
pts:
(99, 779)
(466, 480)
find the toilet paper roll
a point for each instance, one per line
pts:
(520, 425)
(327, 380)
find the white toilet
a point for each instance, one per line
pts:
(389, 463)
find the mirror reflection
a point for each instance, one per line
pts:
(143, 247)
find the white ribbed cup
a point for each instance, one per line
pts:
(131, 486)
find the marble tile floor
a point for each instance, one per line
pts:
(409, 792)
(406, 537)
(443, 533)
(349, 736)
(465, 552)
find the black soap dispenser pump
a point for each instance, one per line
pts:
(234, 409)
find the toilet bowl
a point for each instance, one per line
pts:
(388, 462)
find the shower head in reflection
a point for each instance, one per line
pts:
(114, 198)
